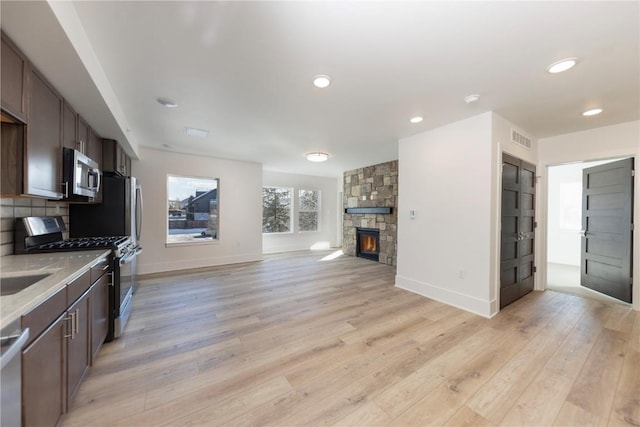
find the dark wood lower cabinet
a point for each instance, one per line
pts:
(78, 350)
(55, 363)
(44, 377)
(99, 314)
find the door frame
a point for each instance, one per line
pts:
(543, 212)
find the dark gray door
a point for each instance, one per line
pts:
(607, 215)
(517, 265)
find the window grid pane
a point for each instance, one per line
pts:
(276, 209)
(308, 210)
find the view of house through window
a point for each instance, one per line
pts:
(192, 209)
(276, 209)
(308, 209)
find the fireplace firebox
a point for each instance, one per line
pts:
(368, 243)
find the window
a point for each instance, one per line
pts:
(276, 209)
(308, 210)
(193, 205)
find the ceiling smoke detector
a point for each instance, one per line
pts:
(317, 157)
(169, 103)
(471, 98)
(200, 133)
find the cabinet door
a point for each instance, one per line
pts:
(44, 377)
(94, 147)
(14, 77)
(12, 137)
(99, 314)
(78, 350)
(127, 164)
(83, 136)
(44, 133)
(69, 127)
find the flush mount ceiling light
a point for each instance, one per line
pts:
(592, 112)
(200, 133)
(562, 65)
(321, 81)
(471, 99)
(317, 157)
(416, 119)
(169, 103)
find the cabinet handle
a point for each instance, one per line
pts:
(77, 321)
(66, 189)
(66, 319)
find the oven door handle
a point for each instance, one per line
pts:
(128, 257)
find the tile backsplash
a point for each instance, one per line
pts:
(16, 208)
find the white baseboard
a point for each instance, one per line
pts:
(465, 302)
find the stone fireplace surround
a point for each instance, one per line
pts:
(372, 187)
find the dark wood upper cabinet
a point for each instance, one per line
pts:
(36, 124)
(114, 158)
(83, 136)
(69, 127)
(94, 147)
(11, 173)
(77, 135)
(44, 140)
(14, 80)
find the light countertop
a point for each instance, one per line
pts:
(64, 266)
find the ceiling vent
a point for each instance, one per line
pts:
(520, 139)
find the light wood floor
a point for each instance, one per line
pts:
(297, 340)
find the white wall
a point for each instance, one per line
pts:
(240, 211)
(327, 234)
(447, 175)
(622, 140)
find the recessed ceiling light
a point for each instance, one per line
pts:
(592, 112)
(416, 119)
(562, 65)
(471, 99)
(201, 133)
(317, 157)
(170, 103)
(321, 81)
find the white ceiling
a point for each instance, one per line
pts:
(244, 70)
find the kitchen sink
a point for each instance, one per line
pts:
(14, 284)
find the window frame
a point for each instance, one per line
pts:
(194, 241)
(317, 211)
(291, 210)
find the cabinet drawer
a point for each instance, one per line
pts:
(39, 319)
(77, 287)
(100, 268)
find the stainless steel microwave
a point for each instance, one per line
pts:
(81, 175)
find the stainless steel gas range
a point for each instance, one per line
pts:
(44, 234)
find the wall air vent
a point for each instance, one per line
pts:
(520, 139)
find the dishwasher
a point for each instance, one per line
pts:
(12, 340)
